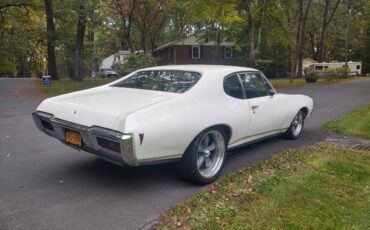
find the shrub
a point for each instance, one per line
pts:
(328, 74)
(134, 62)
(99, 75)
(331, 74)
(311, 78)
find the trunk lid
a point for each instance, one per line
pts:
(101, 106)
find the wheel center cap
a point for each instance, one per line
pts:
(207, 153)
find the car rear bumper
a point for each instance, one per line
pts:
(108, 144)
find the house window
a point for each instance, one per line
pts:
(195, 52)
(358, 67)
(228, 52)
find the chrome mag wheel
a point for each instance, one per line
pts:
(210, 154)
(297, 124)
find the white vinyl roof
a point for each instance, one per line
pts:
(202, 68)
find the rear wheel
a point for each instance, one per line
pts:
(296, 127)
(205, 157)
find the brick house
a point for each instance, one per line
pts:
(197, 50)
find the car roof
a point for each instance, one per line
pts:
(202, 68)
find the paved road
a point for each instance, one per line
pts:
(46, 185)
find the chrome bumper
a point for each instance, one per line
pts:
(57, 128)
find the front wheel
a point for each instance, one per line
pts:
(296, 127)
(205, 157)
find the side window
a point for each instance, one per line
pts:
(254, 85)
(232, 87)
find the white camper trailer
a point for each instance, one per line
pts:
(355, 68)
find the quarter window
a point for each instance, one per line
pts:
(254, 85)
(232, 87)
(195, 52)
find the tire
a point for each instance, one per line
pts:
(295, 129)
(205, 157)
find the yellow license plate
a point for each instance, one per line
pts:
(73, 138)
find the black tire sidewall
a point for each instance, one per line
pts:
(188, 168)
(290, 133)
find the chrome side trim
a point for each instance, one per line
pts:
(159, 160)
(89, 138)
(254, 141)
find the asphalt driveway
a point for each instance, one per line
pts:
(46, 185)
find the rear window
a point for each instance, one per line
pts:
(174, 81)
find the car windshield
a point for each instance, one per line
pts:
(174, 81)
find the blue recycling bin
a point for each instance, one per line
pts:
(46, 81)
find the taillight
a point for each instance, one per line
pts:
(47, 125)
(108, 144)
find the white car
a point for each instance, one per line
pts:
(187, 113)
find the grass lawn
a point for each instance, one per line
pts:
(355, 123)
(67, 86)
(319, 187)
(285, 82)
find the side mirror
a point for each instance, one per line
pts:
(271, 92)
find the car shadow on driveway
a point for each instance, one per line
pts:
(92, 170)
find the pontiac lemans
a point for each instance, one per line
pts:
(191, 114)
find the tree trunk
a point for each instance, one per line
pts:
(300, 38)
(262, 18)
(80, 37)
(52, 65)
(252, 61)
(327, 18)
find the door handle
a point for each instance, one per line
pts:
(254, 107)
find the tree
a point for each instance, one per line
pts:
(21, 39)
(123, 20)
(52, 65)
(329, 11)
(80, 38)
(150, 19)
(302, 11)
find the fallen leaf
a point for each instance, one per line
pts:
(237, 193)
(7, 136)
(61, 181)
(250, 180)
(8, 155)
(213, 190)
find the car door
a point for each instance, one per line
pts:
(266, 108)
(238, 108)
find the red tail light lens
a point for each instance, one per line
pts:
(108, 144)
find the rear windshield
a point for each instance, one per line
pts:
(174, 81)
